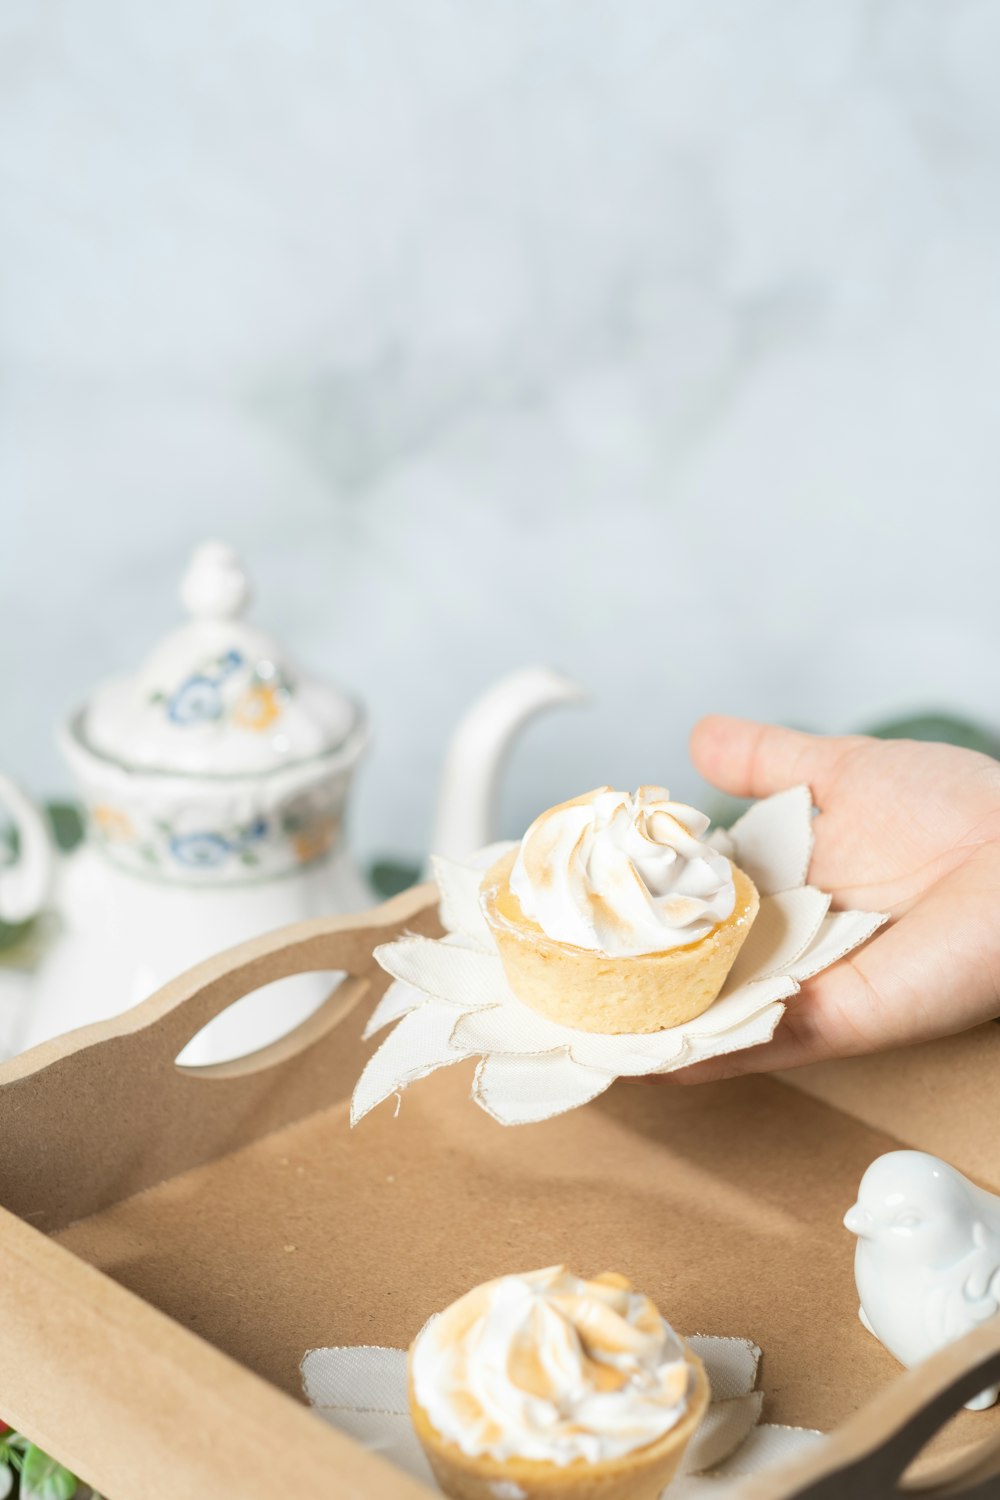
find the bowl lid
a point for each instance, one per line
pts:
(217, 696)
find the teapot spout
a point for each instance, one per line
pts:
(466, 811)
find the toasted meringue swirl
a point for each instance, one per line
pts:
(622, 874)
(550, 1367)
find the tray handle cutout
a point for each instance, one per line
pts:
(870, 1455)
(330, 946)
(345, 992)
(157, 1117)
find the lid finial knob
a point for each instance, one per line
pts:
(215, 586)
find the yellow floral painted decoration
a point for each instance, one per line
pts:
(312, 841)
(112, 822)
(258, 708)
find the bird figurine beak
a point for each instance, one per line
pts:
(857, 1221)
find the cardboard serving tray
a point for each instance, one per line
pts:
(173, 1239)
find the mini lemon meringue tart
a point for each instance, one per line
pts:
(545, 1386)
(612, 915)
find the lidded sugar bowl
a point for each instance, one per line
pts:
(215, 782)
(218, 763)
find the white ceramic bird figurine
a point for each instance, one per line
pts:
(927, 1265)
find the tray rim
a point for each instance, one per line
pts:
(159, 1373)
(159, 1368)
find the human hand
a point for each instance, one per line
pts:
(908, 828)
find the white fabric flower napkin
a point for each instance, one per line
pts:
(362, 1391)
(450, 999)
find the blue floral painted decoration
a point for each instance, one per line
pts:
(198, 700)
(199, 850)
(195, 701)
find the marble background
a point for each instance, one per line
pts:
(659, 340)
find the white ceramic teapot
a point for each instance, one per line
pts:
(214, 783)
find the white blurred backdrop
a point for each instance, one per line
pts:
(658, 340)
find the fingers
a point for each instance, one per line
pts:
(839, 1013)
(748, 759)
(796, 1042)
(933, 972)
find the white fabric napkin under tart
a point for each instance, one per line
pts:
(450, 999)
(362, 1391)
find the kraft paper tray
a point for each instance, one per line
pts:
(173, 1240)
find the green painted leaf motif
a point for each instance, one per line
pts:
(6, 1480)
(43, 1479)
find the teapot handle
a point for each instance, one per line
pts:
(25, 884)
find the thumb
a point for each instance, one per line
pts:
(747, 759)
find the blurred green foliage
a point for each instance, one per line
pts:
(390, 876)
(66, 823)
(942, 729)
(27, 1472)
(43, 1479)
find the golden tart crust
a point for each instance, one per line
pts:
(594, 991)
(639, 1475)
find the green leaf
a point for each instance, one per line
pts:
(390, 876)
(941, 729)
(43, 1479)
(12, 933)
(67, 824)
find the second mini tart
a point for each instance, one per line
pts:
(595, 991)
(641, 1475)
(585, 1376)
